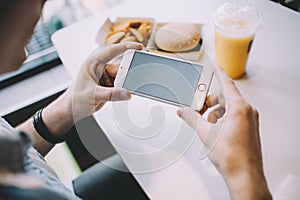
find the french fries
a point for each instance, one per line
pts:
(134, 31)
(114, 38)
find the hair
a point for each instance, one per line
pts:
(8, 8)
(13, 147)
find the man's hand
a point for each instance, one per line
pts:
(93, 86)
(237, 155)
(87, 94)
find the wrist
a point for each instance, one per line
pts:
(58, 117)
(248, 184)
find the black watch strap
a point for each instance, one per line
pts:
(43, 131)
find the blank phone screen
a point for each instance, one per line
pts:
(163, 78)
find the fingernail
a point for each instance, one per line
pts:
(141, 46)
(179, 112)
(124, 95)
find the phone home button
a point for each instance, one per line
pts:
(201, 87)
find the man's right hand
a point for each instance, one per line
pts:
(237, 155)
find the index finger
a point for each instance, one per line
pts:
(107, 54)
(230, 90)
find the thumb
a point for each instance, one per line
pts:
(195, 120)
(111, 94)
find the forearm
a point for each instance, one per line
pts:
(248, 185)
(58, 119)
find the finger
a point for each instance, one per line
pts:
(216, 114)
(113, 81)
(105, 80)
(111, 94)
(105, 55)
(230, 89)
(212, 100)
(204, 109)
(112, 69)
(195, 120)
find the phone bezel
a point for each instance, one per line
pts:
(198, 97)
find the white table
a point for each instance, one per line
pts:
(271, 86)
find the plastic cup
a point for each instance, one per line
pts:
(235, 24)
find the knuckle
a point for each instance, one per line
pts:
(109, 95)
(212, 118)
(243, 108)
(230, 81)
(247, 108)
(110, 50)
(227, 80)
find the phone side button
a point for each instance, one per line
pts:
(202, 87)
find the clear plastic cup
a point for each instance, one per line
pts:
(235, 24)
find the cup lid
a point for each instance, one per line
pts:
(236, 18)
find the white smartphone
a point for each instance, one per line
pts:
(164, 78)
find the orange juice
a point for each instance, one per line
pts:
(235, 25)
(232, 53)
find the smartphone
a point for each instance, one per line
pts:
(163, 78)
